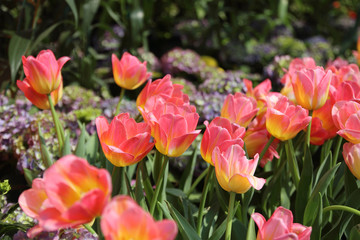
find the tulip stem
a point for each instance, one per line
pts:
(266, 148)
(341, 208)
(90, 229)
(122, 92)
(207, 183)
(337, 149)
(230, 216)
(197, 181)
(58, 128)
(158, 184)
(292, 161)
(308, 132)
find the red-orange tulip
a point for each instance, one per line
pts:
(124, 141)
(220, 133)
(124, 219)
(129, 72)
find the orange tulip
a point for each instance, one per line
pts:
(43, 73)
(239, 109)
(71, 193)
(124, 219)
(220, 133)
(346, 117)
(351, 153)
(284, 120)
(124, 141)
(40, 100)
(234, 172)
(129, 72)
(311, 87)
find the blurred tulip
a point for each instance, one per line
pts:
(124, 219)
(346, 117)
(351, 154)
(173, 127)
(234, 172)
(347, 90)
(124, 141)
(280, 226)
(39, 100)
(71, 193)
(311, 87)
(239, 109)
(43, 73)
(346, 73)
(357, 52)
(129, 72)
(163, 88)
(220, 133)
(259, 92)
(284, 120)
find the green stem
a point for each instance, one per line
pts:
(58, 128)
(337, 149)
(292, 161)
(90, 229)
(308, 132)
(207, 183)
(341, 208)
(266, 147)
(158, 184)
(117, 177)
(138, 118)
(229, 216)
(197, 181)
(122, 92)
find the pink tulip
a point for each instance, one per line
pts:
(124, 141)
(124, 219)
(220, 133)
(347, 90)
(284, 120)
(239, 109)
(260, 91)
(173, 127)
(129, 72)
(163, 88)
(71, 193)
(43, 73)
(39, 100)
(346, 117)
(280, 226)
(311, 87)
(351, 153)
(234, 172)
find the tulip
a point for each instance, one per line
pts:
(124, 142)
(39, 100)
(239, 109)
(220, 133)
(311, 87)
(280, 226)
(173, 127)
(43, 73)
(259, 92)
(349, 72)
(124, 219)
(234, 172)
(284, 120)
(346, 117)
(71, 193)
(357, 52)
(129, 72)
(163, 88)
(351, 153)
(347, 90)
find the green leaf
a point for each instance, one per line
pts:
(42, 36)
(176, 192)
(91, 150)
(311, 210)
(305, 186)
(186, 178)
(251, 233)
(324, 182)
(73, 8)
(66, 148)
(316, 226)
(210, 219)
(186, 230)
(139, 193)
(45, 155)
(219, 232)
(17, 48)
(80, 146)
(112, 14)
(89, 10)
(29, 175)
(355, 233)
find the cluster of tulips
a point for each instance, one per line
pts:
(72, 193)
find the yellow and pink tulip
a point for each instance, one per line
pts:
(129, 73)
(124, 219)
(351, 154)
(124, 142)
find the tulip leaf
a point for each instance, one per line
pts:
(17, 48)
(92, 146)
(316, 225)
(30, 175)
(186, 230)
(146, 181)
(66, 150)
(74, 10)
(305, 186)
(186, 178)
(43, 35)
(176, 192)
(45, 155)
(139, 192)
(355, 233)
(80, 147)
(219, 232)
(350, 182)
(210, 219)
(311, 210)
(251, 234)
(324, 182)
(324, 166)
